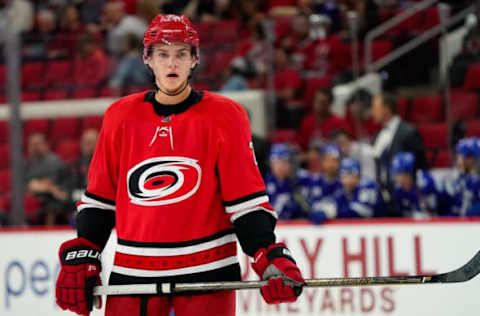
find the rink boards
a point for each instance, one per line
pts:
(28, 268)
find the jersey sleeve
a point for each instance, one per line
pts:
(241, 185)
(96, 208)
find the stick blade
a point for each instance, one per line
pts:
(462, 274)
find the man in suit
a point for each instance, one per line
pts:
(396, 136)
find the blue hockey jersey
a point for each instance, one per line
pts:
(463, 194)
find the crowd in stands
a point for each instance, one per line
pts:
(373, 161)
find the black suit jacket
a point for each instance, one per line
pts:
(406, 138)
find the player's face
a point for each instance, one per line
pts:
(378, 110)
(349, 181)
(404, 180)
(330, 165)
(171, 65)
(280, 168)
(465, 164)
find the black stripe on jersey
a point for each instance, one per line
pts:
(99, 198)
(174, 244)
(228, 273)
(245, 198)
(95, 225)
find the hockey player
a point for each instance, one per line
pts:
(415, 194)
(358, 198)
(174, 172)
(463, 188)
(287, 189)
(325, 185)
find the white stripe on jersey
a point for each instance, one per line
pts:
(160, 252)
(173, 272)
(247, 204)
(362, 209)
(238, 214)
(89, 203)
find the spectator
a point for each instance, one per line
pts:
(236, 76)
(462, 188)
(287, 188)
(118, 24)
(358, 117)
(361, 151)
(130, 71)
(47, 178)
(71, 27)
(91, 11)
(90, 63)
(396, 136)
(299, 37)
(254, 50)
(415, 194)
(287, 83)
(80, 166)
(40, 43)
(317, 126)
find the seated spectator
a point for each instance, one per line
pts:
(71, 27)
(287, 189)
(317, 126)
(41, 42)
(325, 185)
(47, 178)
(358, 198)
(414, 194)
(80, 166)
(361, 151)
(130, 71)
(463, 187)
(118, 24)
(358, 117)
(90, 63)
(287, 83)
(236, 76)
(299, 37)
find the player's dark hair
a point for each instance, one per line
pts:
(389, 101)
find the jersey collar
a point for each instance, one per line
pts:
(163, 110)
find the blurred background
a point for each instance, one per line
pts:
(322, 80)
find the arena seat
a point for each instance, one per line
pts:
(3, 77)
(380, 49)
(5, 181)
(434, 135)
(30, 96)
(58, 73)
(283, 136)
(443, 159)
(55, 94)
(64, 127)
(4, 156)
(33, 74)
(4, 132)
(473, 128)
(403, 105)
(311, 85)
(472, 78)
(464, 105)
(68, 149)
(84, 93)
(427, 109)
(35, 126)
(92, 121)
(225, 32)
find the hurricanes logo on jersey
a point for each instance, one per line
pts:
(163, 180)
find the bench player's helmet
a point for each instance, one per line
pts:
(169, 29)
(350, 166)
(403, 162)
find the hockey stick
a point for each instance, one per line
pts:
(462, 274)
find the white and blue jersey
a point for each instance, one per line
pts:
(365, 201)
(463, 194)
(282, 194)
(321, 188)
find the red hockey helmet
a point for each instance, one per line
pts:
(171, 28)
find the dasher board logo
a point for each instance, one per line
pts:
(163, 180)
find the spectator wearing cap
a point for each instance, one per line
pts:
(396, 136)
(287, 188)
(463, 186)
(415, 193)
(316, 127)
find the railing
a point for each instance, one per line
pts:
(407, 47)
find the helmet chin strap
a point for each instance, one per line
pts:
(175, 93)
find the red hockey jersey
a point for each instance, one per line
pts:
(176, 182)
